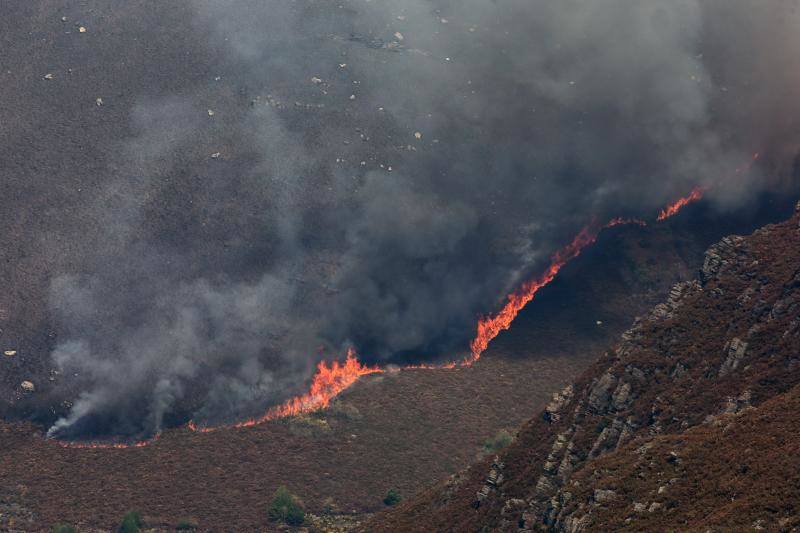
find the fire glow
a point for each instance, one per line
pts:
(672, 209)
(331, 379)
(491, 326)
(326, 384)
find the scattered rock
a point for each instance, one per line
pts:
(736, 350)
(81, 30)
(604, 495)
(48, 76)
(215, 155)
(10, 353)
(27, 386)
(98, 102)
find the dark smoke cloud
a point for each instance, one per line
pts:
(337, 224)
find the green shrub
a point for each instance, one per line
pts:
(131, 523)
(64, 528)
(186, 525)
(286, 507)
(392, 497)
(498, 442)
(295, 516)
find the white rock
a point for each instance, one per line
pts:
(27, 386)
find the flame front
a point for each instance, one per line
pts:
(331, 379)
(672, 209)
(491, 326)
(327, 383)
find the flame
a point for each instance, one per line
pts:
(698, 192)
(327, 383)
(490, 326)
(672, 209)
(331, 379)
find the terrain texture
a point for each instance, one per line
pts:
(685, 424)
(400, 430)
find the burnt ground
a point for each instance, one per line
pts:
(59, 150)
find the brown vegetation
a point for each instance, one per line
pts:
(659, 410)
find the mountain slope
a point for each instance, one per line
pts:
(664, 394)
(400, 430)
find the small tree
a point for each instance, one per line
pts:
(131, 523)
(498, 442)
(392, 497)
(64, 528)
(286, 507)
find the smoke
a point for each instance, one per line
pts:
(383, 172)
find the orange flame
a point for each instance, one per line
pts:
(326, 384)
(330, 380)
(491, 326)
(672, 209)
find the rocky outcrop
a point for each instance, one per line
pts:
(718, 347)
(735, 350)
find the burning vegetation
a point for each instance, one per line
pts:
(330, 379)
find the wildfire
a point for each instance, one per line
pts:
(490, 326)
(327, 383)
(672, 209)
(333, 378)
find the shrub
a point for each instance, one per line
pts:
(295, 516)
(286, 507)
(499, 441)
(131, 523)
(186, 525)
(64, 528)
(392, 497)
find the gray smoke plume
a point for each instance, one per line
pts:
(379, 173)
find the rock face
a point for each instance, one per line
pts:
(721, 349)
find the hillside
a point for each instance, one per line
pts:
(401, 430)
(686, 423)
